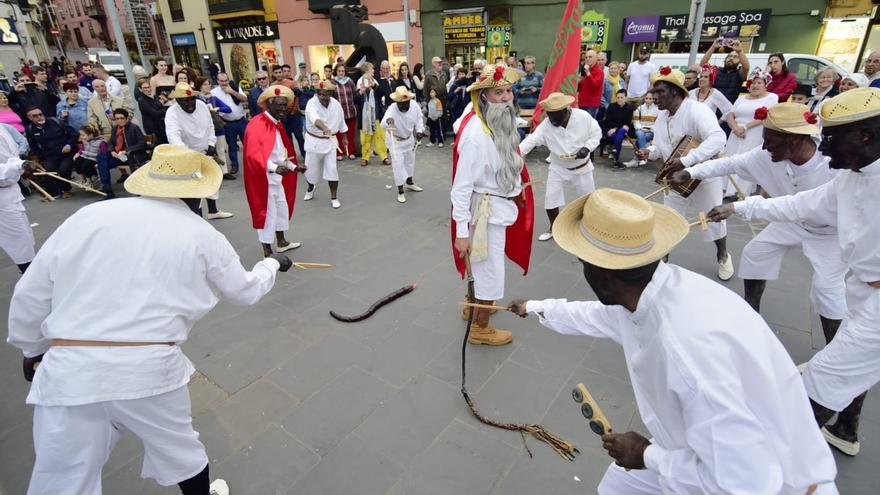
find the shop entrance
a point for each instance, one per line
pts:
(465, 54)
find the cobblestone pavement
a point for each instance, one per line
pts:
(288, 400)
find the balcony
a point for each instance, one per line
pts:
(94, 9)
(220, 7)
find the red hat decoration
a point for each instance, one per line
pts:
(665, 71)
(761, 113)
(810, 117)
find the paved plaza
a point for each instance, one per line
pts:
(290, 401)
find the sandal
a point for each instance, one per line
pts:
(364, 163)
(386, 162)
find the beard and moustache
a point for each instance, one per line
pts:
(501, 120)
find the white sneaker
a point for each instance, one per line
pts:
(439, 145)
(412, 187)
(430, 145)
(845, 446)
(289, 246)
(335, 203)
(218, 487)
(401, 198)
(632, 163)
(725, 268)
(642, 163)
(309, 195)
(219, 215)
(546, 236)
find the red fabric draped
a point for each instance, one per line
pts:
(259, 140)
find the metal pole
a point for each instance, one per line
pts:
(406, 29)
(54, 25)
(697, 22)
(113, 16)
(134, 31)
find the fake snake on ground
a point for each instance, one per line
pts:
(376, 305)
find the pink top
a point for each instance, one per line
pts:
(9, 117)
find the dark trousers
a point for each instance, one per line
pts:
(64, 166)
(436, 130)
(617, 141)
(85, 167)
(234, 132)
(105, 163)
(296, 126)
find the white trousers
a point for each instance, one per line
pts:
(73, 442)
(554, 195)
(321, 166)
(489, 273)
(705, 197)
(618, 481)
(762, 258)
(850, 363)
(276, 215)
(403, 163)
(16, 235)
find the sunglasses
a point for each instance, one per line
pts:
(262, 78)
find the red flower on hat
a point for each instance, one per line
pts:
(665, 71)
(277, 91)
(499, 73)
(810, 117)
(321, 85)
(189, 92)
(761, 113)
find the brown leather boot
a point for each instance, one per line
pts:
(466, 310)
(482, 332)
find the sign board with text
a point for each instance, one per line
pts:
(251, 32)
(731, 24)
(464, 27)
(594, 29)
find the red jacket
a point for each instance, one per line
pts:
(783, 86)
(590, 87)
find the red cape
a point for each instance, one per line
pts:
(259, 140)
(519, 235)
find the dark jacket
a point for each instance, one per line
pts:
(32, 96)
(48, 141)
(135, 144)
(617, 116)
(253, 98)
(384, 88)
(153, 113)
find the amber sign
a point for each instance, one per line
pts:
(467, 27)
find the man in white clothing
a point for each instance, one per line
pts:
(114, 87)
(571, 134)
(638, 77)
(104, 372)
(838, 376)
(405, 126)
(234, 122)
(188, 123)
(722, 400)
(16, 235)
(680, 116)
(324, 119)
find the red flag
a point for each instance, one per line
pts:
(565, 58)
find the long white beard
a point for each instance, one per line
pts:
(501, 120)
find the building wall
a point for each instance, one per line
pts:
(68, 15)
(535, 22)
(10, 54)
(195, 14)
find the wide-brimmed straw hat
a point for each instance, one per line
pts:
(402, 94)
(850, 107)
(618, 230)
(791, 118)
(494, 76)
(183, 90)
(672, 76)
(176, 172)
(556, 102)
(325, 85)
(274, 90)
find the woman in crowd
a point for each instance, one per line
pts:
(617, 124)
(643, 122)
(746, 121)
(853, 81)
(706, 94)
(458, 97)
(72, 110)
(824, 88)
(153, 110)
(8, 115)
(783, 82)
(345, 94)
(405, 78)
(162, 81)
(372, 136)
(183, 76)
(419, 81)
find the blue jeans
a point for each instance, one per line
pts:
(642, 138)
(234, 131)
(105, 163)
(617, 140)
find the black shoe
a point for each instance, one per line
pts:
(618, 166)
(121, 179)
(233, 170)
(229, 176)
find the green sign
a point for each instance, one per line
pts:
(498, 36)
(594, 29)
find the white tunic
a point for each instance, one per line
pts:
(582, 131)
(691, 119)
(331, 116)
(16, 235)
(717, 391)
(10, 172)
(84, 285)
(193, 131)
(406, 125)
(716, 100)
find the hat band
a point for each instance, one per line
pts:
(611, 248)
(194, 175)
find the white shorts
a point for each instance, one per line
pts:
(762, 258)
(277, 219)
(72, 443)
(321, 166)
(489, 273)
(554, 195)
(705, 197)
(16, 235)
(403, 163)
(850, 363)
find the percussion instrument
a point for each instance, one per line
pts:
(684, 146)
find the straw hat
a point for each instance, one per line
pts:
(851, 106)
(556, 102)
(674, 77)
(325, 85)
(618, 230)
(402, 94)
(273, 91)
(176, 172)
(494, 76)
(183, 90)
(791, 118)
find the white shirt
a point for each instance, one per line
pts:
(777, 178)
(406, 125)
(331, 116)
(278, 156)
(85, 285)
(582, 131)
(718, 392)
(639, 78)
(237, 112)
(691, 119)
(194, 131)
(645, 110)
(114, 87)
(716, 100)
(478, 160)
(850, 202)
(10, 172)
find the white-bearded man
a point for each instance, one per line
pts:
(492, 213)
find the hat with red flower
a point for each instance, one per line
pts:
(494, 76)
(273, 91)
(672, 76)
(183, 90)
(790, 118)
(325, 85)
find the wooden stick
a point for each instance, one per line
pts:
(306, 266)
(739, 191)
(533, 182)
(77, 184)
(42, 191)
(701, 222)
(483, 306)
(658, 191)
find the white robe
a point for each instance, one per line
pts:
(320, 152)
(277, 217)
(16, 235)
(402, 140)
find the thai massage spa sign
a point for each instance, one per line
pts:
(594, 30)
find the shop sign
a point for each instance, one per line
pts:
(8, 33)
(733, 24)
(594, 29)
(641, 28)
(498, 36)
(250, 32)
(464, 27)
(188, 39)
(468, 19)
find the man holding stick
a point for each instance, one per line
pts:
(405, 127)
(324, 119)
(16, 235)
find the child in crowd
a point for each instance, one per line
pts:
(801, 94)
(643, 123)
(85, 161)
(435, 116)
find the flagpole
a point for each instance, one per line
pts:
(697, 23)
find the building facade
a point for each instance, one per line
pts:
(247, 35)
(21, 37)
(188, 29)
